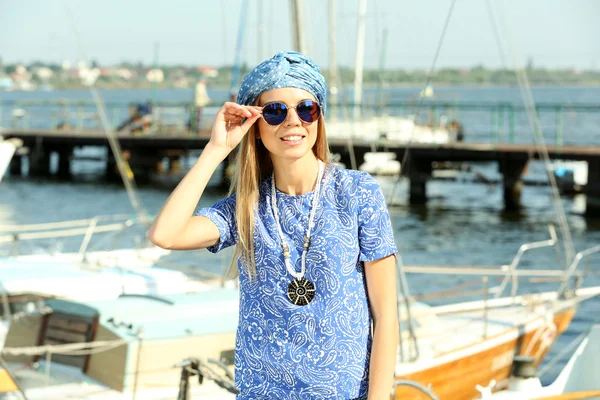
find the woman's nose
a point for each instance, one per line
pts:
(292, 118)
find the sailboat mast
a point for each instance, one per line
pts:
(360, 56)
(299, 42)
(333, 79)
(238, 48)
(155, 82)
(382, 52)
(260, 33)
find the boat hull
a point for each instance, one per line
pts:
(458, 379)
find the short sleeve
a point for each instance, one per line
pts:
(375, 232)
(222, 214)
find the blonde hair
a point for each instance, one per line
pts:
(253, 166)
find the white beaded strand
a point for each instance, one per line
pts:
(313, 207)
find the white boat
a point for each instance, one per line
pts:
(381, 163)
(577, 380)
(571, 176)
(474, 340)
(26, 281)
(389, 129)
(8, 148)
(124, 348)
(452, 348)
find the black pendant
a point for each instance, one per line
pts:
(301, 291)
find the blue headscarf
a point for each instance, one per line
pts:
(284, 69)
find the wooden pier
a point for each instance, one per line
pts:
(147, 152)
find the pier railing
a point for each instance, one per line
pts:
(483, 122)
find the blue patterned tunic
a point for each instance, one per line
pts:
(321, 350)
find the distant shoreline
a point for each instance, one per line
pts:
(365, 86)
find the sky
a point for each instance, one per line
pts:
(550, 33)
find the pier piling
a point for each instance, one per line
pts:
(418, 172)
(512, 169)
(592, 189)
(64, 162)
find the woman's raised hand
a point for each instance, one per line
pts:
(228, 129)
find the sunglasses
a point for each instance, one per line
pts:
(275, 113)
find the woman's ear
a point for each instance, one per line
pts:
(256, 129)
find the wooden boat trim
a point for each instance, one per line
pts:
(513, 333)
(480, 367)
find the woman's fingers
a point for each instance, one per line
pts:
(233, 122)
(234, 113)
(236, 109)
(249, 122)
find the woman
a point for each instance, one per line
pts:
(315, 247)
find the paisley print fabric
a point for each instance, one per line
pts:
(321, 350)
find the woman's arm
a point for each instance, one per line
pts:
(381, 288)
(175, 227)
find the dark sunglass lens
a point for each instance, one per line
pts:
(308, 111)
(274, 113)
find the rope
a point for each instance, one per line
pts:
(118, 343)
(66, 349)
(534, 121)
(420, 103)
(496, 34)
(112, 140)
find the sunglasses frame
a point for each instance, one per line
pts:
(287, 109)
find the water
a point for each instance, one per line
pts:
(462, 224)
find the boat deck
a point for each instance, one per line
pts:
(69, 383)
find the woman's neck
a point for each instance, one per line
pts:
(296, 177)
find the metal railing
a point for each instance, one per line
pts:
(513, 265)
(484, 122)
(508, 274)
(80, 115)
(15, 234)
(427, 391)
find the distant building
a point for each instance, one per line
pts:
(126, 74)
(207, 71)
(44, 73)
(21, 79)
(155, 75)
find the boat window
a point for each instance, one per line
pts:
(61, 328)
